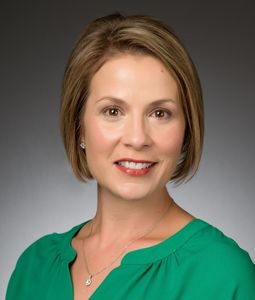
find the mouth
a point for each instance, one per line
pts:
(135, 167)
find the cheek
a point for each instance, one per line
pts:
(99, 136)
(170, 141)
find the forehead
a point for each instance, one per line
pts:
(134, 75)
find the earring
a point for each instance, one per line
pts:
(82, 145)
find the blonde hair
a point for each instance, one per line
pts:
(115, 34)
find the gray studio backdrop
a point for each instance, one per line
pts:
(38, 192)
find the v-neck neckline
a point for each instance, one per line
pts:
(140, 256)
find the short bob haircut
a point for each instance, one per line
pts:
(116, 34)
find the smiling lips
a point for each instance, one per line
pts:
(134, 167)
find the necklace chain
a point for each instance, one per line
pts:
(88, 281)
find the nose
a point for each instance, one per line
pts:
(136, 133)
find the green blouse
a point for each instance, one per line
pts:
(197, 262)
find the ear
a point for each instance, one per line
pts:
(82, 134)
(82, 140)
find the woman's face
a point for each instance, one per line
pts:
(133, 126)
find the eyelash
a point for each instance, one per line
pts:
(167, 113)
(107, 109)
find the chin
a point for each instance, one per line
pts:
(132, 192)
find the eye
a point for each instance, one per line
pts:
(161, 113)
(111, 111)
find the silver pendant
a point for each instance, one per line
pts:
(88, 280)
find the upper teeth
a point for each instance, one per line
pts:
(134, 165)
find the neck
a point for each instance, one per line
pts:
(117, 219)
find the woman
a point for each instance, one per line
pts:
(132, 119)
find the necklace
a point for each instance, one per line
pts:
(88, 280)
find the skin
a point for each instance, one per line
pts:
(137, 126)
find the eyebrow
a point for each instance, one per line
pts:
(153, 103)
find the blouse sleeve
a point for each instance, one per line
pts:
(219, 270)
(245, 285)
(234, 273)
(14, 281)
(31, 267)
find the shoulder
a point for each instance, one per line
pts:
(215, 247)
(224, 254)
(217, 257)
(40, 263)
(50, 245)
